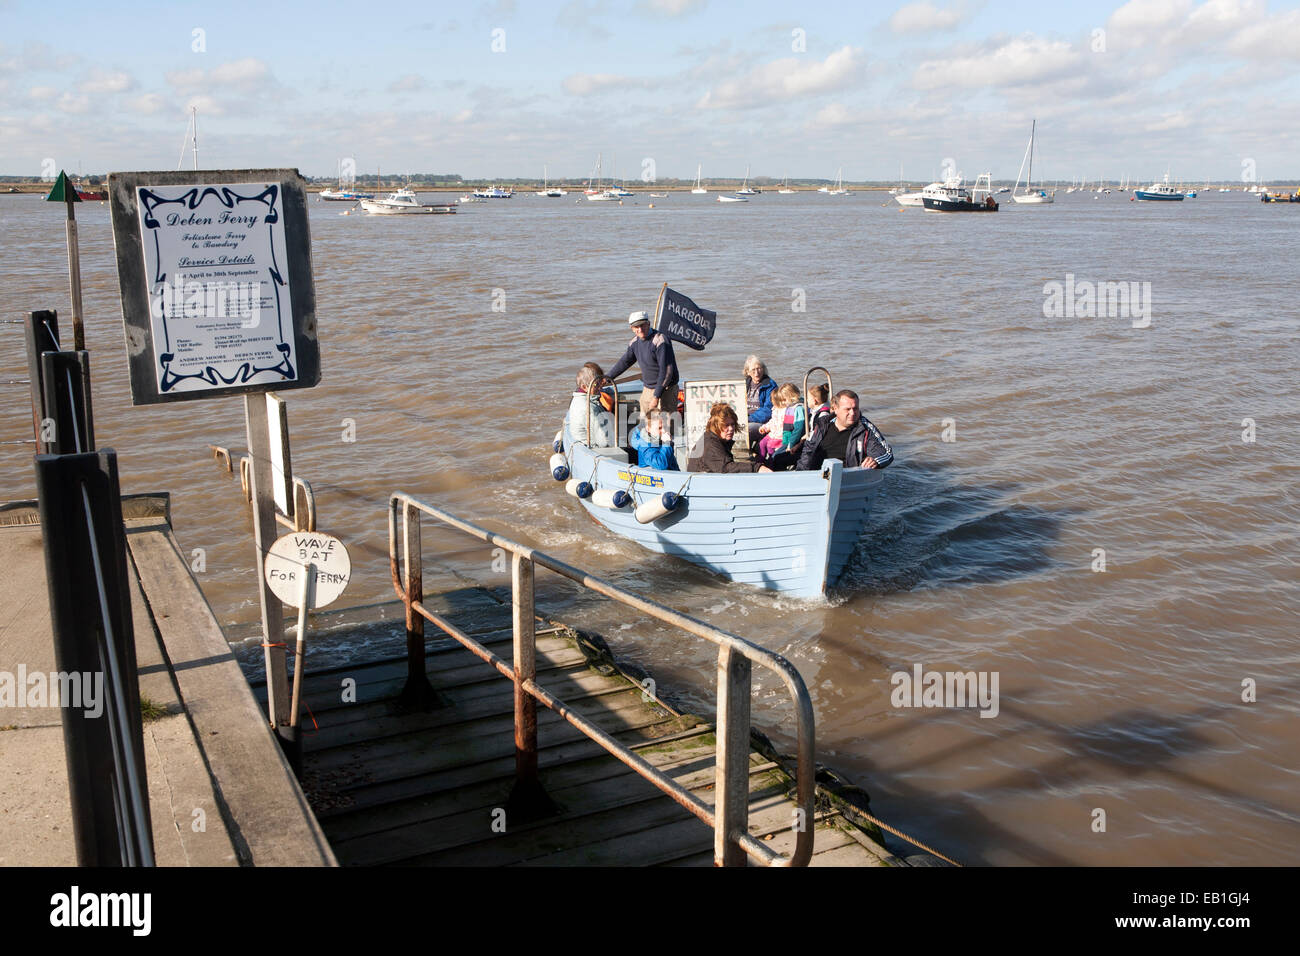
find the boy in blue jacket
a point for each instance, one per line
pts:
(654, 449)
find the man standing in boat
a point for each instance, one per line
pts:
(654, 354)
(847, 436)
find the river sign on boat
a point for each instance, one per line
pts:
(287, 561)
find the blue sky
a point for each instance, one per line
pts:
(1206, 89)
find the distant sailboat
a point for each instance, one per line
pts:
(1031, 197)
(785, 189)
(744, 189)
(699, 190)
(551, 192)
(839, 189)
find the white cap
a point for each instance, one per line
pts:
(638, 317)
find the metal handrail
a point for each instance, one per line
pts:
(729, 816)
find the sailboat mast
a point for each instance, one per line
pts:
(1032, 129)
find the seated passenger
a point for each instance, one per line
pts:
(817, 395)
(846, 436)
(758, 395)
(654, 447)
(786, 427)
(714, 448)
(599, 403)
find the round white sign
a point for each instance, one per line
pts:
(287, 562)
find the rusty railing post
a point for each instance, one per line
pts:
(732, 775)
(527, 799)
(418, 693)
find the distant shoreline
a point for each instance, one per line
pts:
(30, 187)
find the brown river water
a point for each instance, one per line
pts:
(1119, 691)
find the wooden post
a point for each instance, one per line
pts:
(74, 274)
(528, 801)
(732, 776)
(525, 662)
(305, 601)
(418, 693)
(264, 535)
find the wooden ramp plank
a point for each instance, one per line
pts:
(431, 788)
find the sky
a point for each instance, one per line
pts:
(504, 89)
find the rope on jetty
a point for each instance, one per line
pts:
(903, 836)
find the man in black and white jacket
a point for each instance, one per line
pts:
(845, 435)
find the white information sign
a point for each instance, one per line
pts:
(286, 564)
(217, 273)
(700, 399)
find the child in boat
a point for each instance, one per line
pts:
(786, 427)
(819, 396)
(654, 448)
(602, 422)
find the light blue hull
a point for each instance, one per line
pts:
(788, 531)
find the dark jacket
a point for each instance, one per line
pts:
(654, 354)
(865, 441)
(763, 412)
(714, 455)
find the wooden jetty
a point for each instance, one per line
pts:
(431, 758)
(220, 791)
(433, 787)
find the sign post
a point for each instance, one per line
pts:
(65, 192)
(308, 569)
(215, 273)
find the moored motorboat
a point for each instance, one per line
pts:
(1159, 192)
(952, 196)
(344, 195)
(403, 202)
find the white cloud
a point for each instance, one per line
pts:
(925, 17)
(42, 93)
(98, 82)
(247, 75)
(587, 84)
(148, 103)
(832, 115)
(1149, 16)
(1170, 121)
(409, 83)
(671, 8)
(70, 103)
(786, 79)
(1276, 38)
(1015, 63)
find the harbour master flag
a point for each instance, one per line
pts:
(682, 320)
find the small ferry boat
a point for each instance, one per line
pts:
(1265, 196)
(952, 196)
(403, 202)
(496, 192)
(1159, 192)
(789, 531)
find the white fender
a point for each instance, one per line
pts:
(656, 507)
